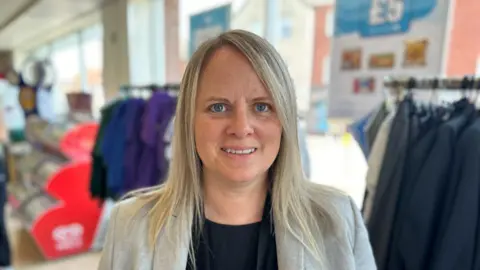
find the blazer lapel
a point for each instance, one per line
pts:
(290, 252)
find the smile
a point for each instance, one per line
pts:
(239, 152)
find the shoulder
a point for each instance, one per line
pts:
(331, 199)
(130, 218)
(342, 211)
(350, 235)
(134, 209)
(127, 235)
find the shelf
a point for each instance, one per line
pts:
(50, 188)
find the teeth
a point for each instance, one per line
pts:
(239, 152)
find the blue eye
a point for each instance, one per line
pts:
(217, 107)
(262, 107)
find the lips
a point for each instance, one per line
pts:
(244, 151)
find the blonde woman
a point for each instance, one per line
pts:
(236, 196)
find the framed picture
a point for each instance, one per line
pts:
(351, 59)
(364, 85)
(415, 54)
(381, 61)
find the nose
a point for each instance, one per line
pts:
(240, 125)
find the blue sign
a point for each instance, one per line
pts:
(207, 25)
(379, 17)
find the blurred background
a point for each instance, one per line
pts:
(63, 62)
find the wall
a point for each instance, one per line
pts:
(464, 44)
(322, 45)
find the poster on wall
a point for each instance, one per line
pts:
(207, 25)
(378, 38)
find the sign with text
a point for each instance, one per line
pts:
(207, 25)
(378, 38)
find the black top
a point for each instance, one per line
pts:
(231, 247)
(237, 247)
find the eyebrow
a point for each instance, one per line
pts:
(225, 100)
(217, 99)
(262, 99)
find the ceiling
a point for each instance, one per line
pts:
(25, 21)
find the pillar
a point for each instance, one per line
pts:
(172, 50)
(115, 44)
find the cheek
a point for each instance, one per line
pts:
(206, 133)
(272, 135)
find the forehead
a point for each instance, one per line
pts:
(228, 73)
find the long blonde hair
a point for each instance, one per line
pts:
(180, 198)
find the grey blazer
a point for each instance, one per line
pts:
(127, 248)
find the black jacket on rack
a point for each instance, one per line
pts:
(383, 211)
(459, 232)
(425, 213)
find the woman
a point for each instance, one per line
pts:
(236, 197)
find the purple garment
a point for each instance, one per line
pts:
(133, 147)
(158, 112)
(162, 143)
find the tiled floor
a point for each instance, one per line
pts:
(334, 161)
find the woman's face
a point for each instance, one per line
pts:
(237, 131)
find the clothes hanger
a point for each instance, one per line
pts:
(476, 87)
(464, 85)
(387, 99)
(412, 83)
(434, 94)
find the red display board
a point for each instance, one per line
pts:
(70, 225)
(78, 142)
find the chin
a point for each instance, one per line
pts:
(242, 176)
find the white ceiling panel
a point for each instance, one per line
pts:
(42, 18)
(9, 8)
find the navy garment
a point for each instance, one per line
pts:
(133, 147)
(357, 129)
(113, 149)
(458, 241)
(418, 226)
(158, 112)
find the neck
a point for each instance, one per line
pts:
(234, 204)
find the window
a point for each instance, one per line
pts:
(257, 28)
(77, 61)
(43, 52)
(92, 55)
(287, 27)
(66, 61)
(65, 58)
(329, 23)
(146, 42)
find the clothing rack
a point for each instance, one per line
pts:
(151, 87)
(424, 156)
(465, 83)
